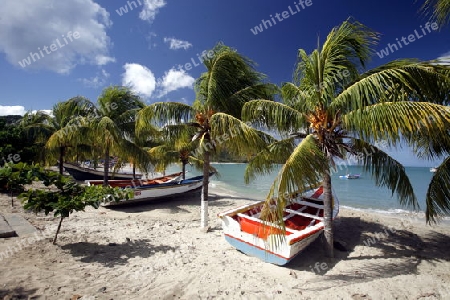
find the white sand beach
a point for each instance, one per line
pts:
(157, 251)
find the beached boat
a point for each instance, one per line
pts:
(303, 218)
(158, 191)
(138, 182)
(350, 176)
(82, 174)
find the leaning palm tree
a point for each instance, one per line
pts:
(438, 9)
(230, 81)
(56, 131)
(112, 125)
(333, 110)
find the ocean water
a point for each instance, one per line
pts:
(359, 193)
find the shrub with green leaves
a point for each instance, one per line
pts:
(13, 177)
(67, 196)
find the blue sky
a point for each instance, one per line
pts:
(93, 44)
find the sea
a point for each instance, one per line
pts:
(359, 194)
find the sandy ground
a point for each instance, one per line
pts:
(157, 251)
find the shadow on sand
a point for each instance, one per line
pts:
(399, 252)
(17, 293)
(114, 254)
(174, 203)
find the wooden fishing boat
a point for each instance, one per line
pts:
(158, 191)
(130, 183)
(82, 174)
(303, 218)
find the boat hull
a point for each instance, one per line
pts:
(244, 230)
(269, 256)
(82, 174)
(164, 190)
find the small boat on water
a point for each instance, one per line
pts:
(350, 176)
(303, 216)
(138, 182)
(80, 173)
(433, 170)
(151, 192)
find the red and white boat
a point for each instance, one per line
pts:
(131, 183)
(303, 218)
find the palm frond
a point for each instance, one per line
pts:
(393, 120)
(198, 164)
(400, 80)
(438, 10)
(273, 115)
(163, 156)
(296, 97)
(268, 160)
(231, 80)
(429, 146)
(234, 135)
(302, 169)
(125, 149)
(164, 113)
(386, 171)
(438, 194)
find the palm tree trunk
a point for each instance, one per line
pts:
(184, 170)
(204, 197)
(134, 171)
(61, 160)
(328, 214)
(106, 167)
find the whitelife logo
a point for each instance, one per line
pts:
(405, 41)
(58, 44)
(266, 24)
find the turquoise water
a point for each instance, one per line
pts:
(359, 193)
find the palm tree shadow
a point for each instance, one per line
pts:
(112, 254)
(172, 203)
(17, 293)
(397, 252)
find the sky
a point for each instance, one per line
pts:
(52, 50)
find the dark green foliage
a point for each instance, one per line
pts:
(15, 146)
(13, 177)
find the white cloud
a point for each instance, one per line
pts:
(33, 26)
(18, 110)
(12, 110)
(97, 81)
(444, 59)
(177, 44)
(140, 79)
(174, 80)
(151, 8)
(150, 37)
(102, 60)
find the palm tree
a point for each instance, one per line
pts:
(438, 194)
(230, 81)
(176, 147)
(111, 124)
(56, 131)
(439, 10)
(335, 111)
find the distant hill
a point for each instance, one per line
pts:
(10, 119)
